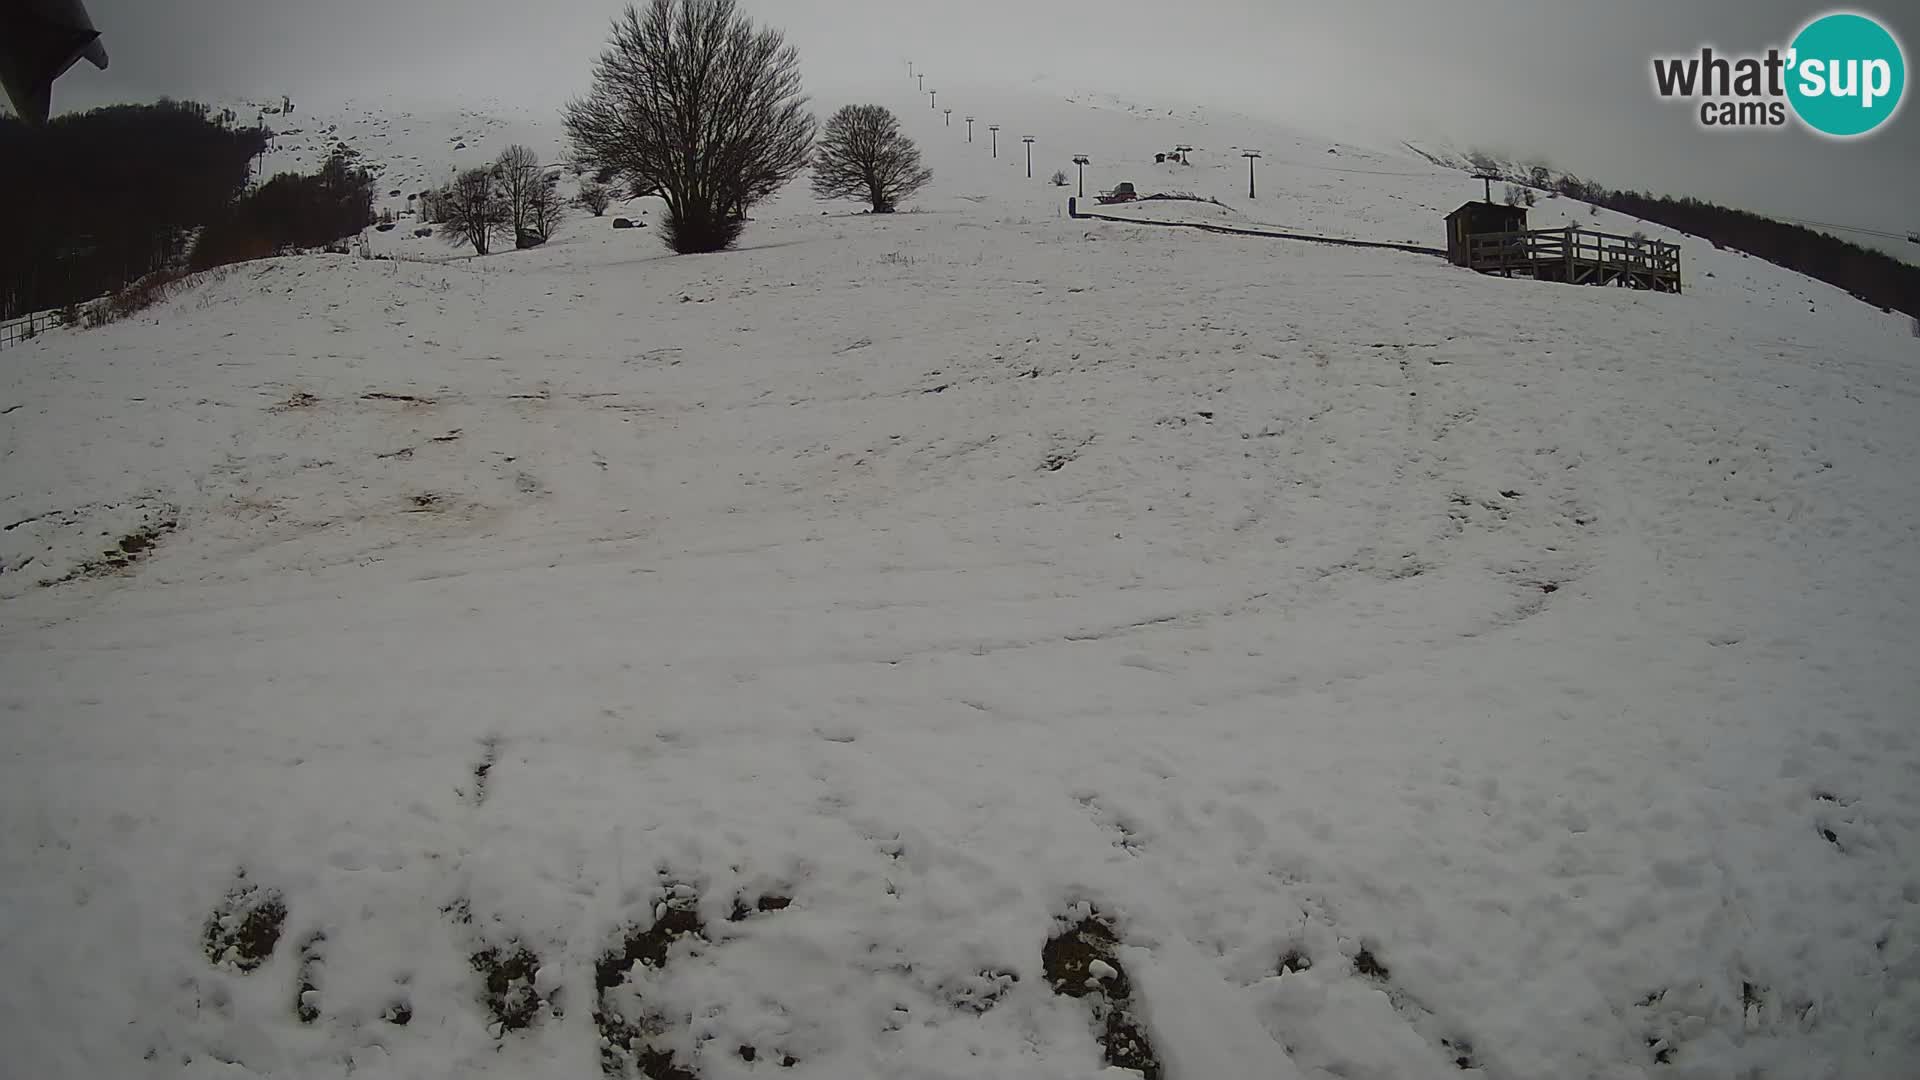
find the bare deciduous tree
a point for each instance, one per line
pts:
(863, 156)
(594, 197)
(545, 209)
(473, 210)
(517, 172)
(695, 102)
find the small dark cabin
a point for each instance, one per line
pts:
(1478, 219)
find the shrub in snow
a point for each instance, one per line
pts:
(756, 128)
(1058, 179)
(473, 209)
(594, 197)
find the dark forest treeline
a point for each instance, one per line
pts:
(95, 200)
(289, 211)
(1873, 276)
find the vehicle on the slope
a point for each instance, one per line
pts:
(1122, 192)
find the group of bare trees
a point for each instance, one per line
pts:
(512, 197)
(694, 103)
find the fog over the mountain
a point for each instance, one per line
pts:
(1548, 78)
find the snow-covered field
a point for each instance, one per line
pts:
(1418, 672)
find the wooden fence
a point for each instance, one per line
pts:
(28, 327)
(1578, 257)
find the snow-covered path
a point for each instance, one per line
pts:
(1550, 647)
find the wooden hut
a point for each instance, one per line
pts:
(1479, 218)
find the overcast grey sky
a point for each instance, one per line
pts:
(1567, 81)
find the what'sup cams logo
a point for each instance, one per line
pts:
(1843, 76)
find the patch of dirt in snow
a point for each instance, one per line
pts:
(511, 993)
(483, 768)
(629, 1030)
(513, 985)
(1080, 962)
(242, 931)
(130, 549)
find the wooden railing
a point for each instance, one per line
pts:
(27, 327)
(1577, 255)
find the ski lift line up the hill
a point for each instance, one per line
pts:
(1482, 236)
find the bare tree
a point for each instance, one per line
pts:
(517, 172)
(693, 101)
(474, 209)
(545, 209)
(1059, 178)
(863, 156)
(594, 197)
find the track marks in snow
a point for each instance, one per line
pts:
(483, 769)
(1671, 1018)
(1455, 1048)
(306, 993)
(1124, 828)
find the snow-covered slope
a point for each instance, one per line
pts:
(1418, 671)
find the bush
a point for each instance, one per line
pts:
(755, 132)
(148, 291)
(1059, 178)
(595, 197)
(474, 210)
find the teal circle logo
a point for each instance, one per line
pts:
(1847, 76)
